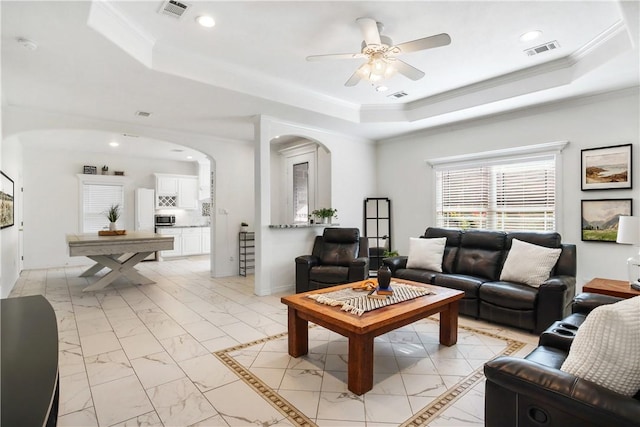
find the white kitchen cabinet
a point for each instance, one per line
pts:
(176, 191)
(188, 192)
(167, 185)
(206, 240)
(187, 241)
(177, 241)
(204, 179)
(191, 241)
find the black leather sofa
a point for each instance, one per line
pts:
(534, 392)
(339, 256)
(472, 263)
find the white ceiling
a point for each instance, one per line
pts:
(110, 59)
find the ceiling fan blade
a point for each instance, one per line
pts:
(355, 77)
(369, 28)
(335, 56)
(425, 43)
(407, 70)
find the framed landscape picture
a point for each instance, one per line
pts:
(6, 201)
(606, 168)
(600, 218)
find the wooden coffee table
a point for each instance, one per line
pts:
(361, 330)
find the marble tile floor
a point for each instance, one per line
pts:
(135, 355)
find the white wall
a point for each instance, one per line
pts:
(352, 180)
(232, 162)
(52, 197)
(10, 236)
(598, 121)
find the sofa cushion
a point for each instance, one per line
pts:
(426, 253)
(468, 284)
(547, 239)
(510, 295)
(415, 274)
(480, 254)
(607, 346)
(548, 356)
(329, 274)
(528, 263)
(451, 248)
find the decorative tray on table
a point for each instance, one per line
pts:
(112, 232)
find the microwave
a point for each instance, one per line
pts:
(165, 220)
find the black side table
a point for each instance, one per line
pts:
(29, 362)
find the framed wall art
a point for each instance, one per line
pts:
(6, 201)
(600, 218)
(606, 168)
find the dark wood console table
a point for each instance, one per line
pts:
(29, 371)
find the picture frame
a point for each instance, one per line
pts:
(600, 218)
(90, 170)
(606, 168)
(6, 201)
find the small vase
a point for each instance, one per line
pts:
(384, 277)
(112, 226)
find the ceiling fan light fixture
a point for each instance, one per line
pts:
(377, 69)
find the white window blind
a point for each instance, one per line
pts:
(96, 201)
(507, 194)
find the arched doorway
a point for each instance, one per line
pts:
(51, 162)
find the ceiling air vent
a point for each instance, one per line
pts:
(143, 114)
(173, 8)
(396, 95)
(542, 48)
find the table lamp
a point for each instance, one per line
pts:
(629, 233)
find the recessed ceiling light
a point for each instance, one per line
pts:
(189, 157)
(381, 88)
(530, 35)
(114, 143)
(206, 21)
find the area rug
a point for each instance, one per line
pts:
(241, 359)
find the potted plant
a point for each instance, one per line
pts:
(244, 227)
(325, 214)
(112, 215)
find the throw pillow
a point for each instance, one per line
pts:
(529, 264)
(426, 253)
(606, 348)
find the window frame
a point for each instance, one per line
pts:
(551, 150)
(88, 179)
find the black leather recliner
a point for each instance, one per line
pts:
(534, 392)
(339, 256)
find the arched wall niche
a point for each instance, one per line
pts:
(300, 178)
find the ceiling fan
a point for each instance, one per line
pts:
(380, 53)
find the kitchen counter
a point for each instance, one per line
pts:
(302, 225)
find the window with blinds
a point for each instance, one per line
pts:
(96, 201)
(509, 194)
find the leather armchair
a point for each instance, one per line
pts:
(533, 391)
(339, 256)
